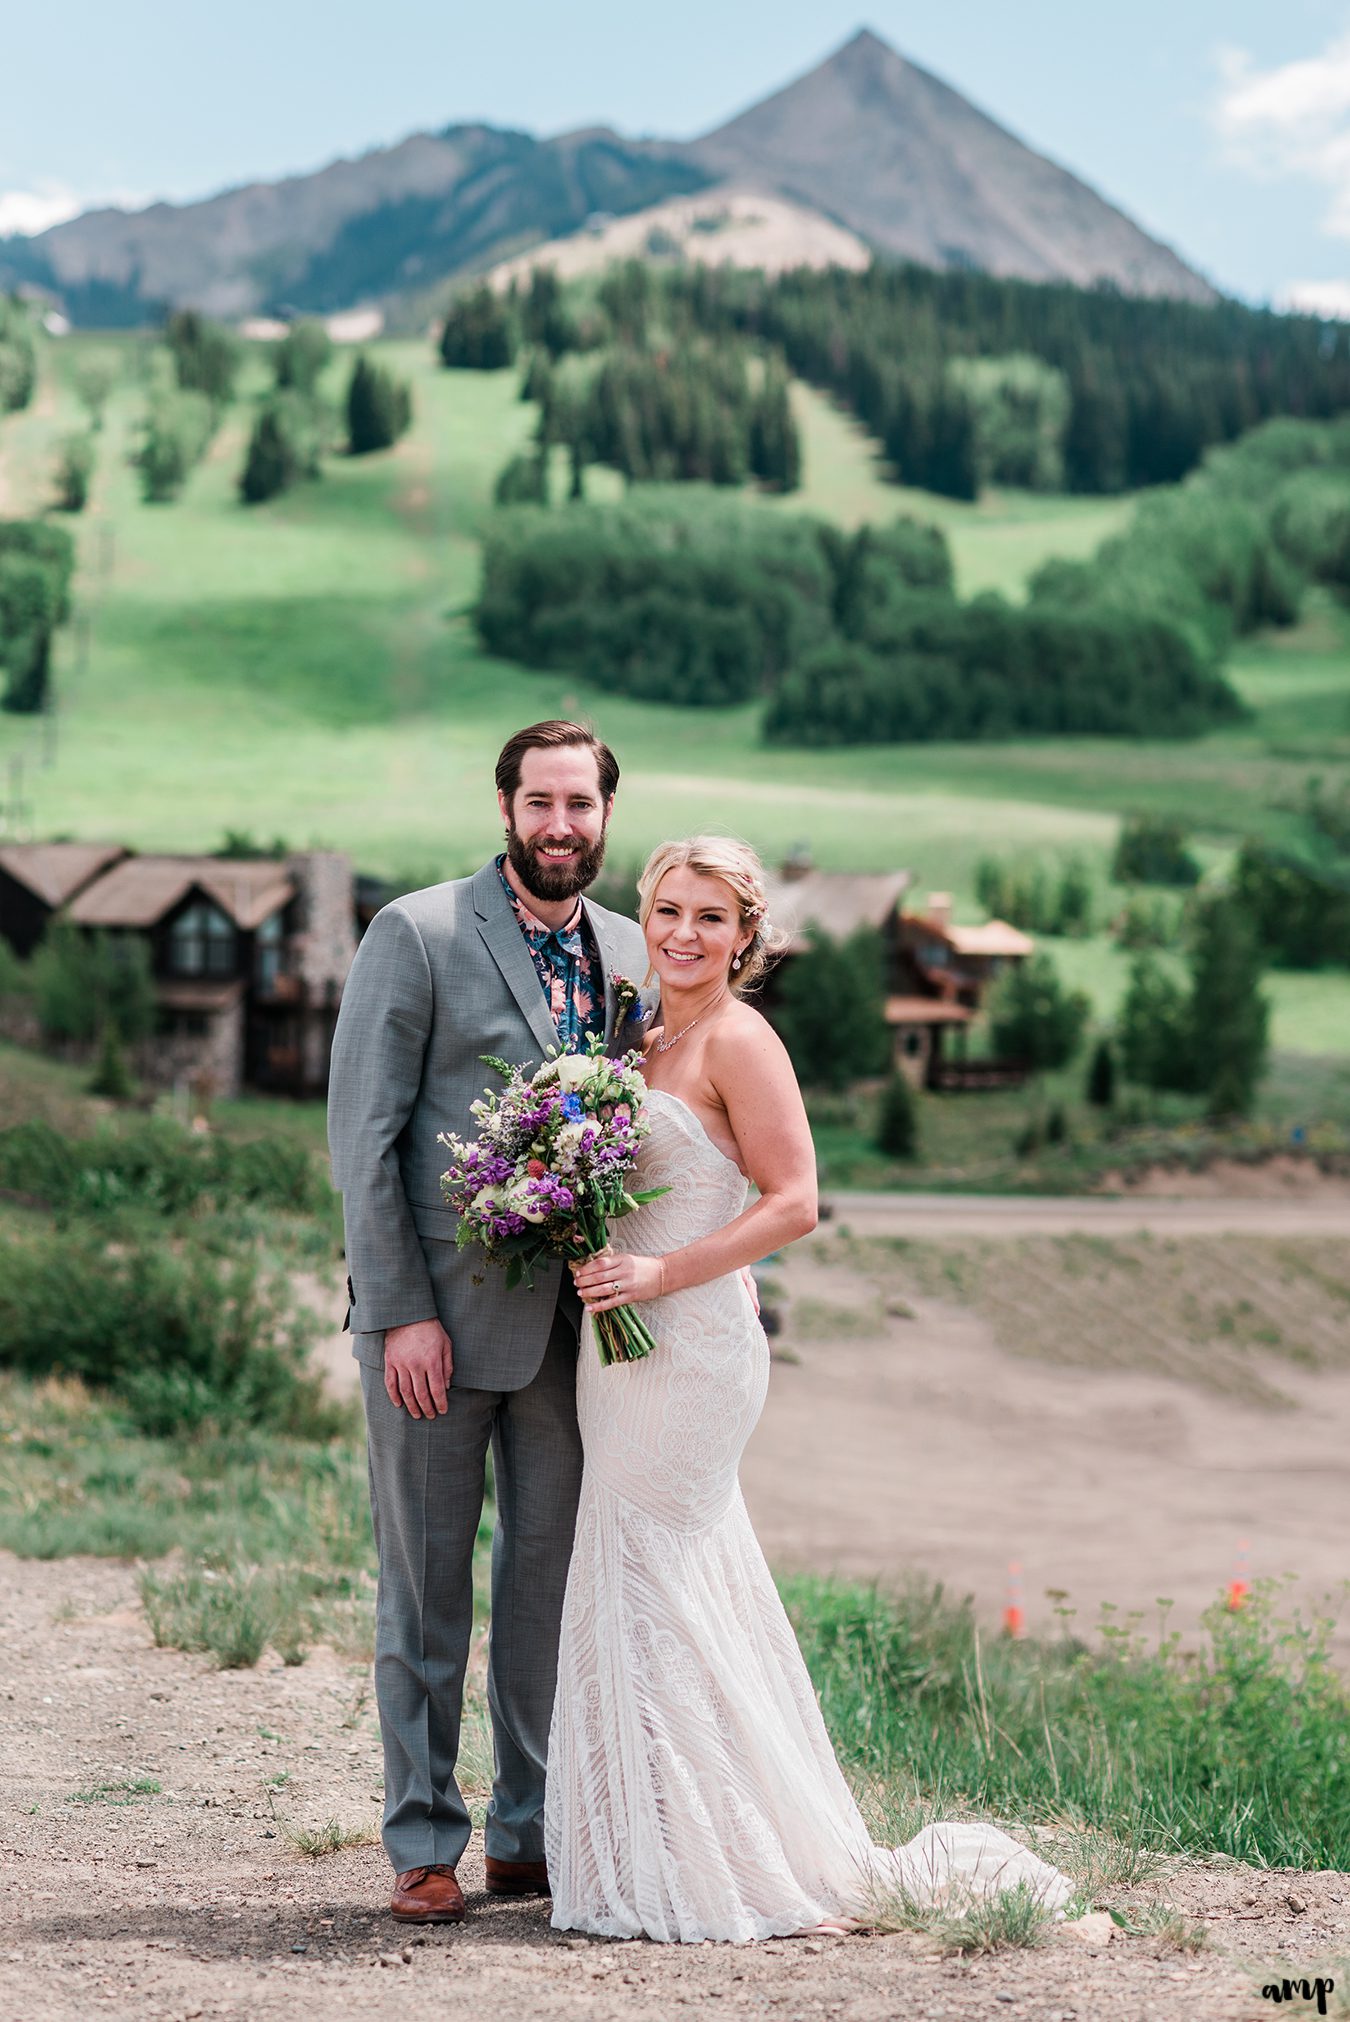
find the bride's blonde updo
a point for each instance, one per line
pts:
(736, 864)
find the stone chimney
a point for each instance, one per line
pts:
(940, 908)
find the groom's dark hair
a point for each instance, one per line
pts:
(555, 735)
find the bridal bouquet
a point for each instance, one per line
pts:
(549, 1171)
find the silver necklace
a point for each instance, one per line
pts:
(664, 1045)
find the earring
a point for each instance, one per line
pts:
(737, 963)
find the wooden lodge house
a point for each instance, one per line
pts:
(249, 956)
(937, 972)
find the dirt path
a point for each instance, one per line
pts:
(1325, 1211)
(147, 1879)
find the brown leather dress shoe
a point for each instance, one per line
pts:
(516, 1878)
(428, 1895)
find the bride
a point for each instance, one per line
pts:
(692, 1791)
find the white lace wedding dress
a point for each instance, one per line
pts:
(692, 1790)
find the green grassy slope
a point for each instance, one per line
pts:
(308, 668)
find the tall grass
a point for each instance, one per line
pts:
(1242, 1749)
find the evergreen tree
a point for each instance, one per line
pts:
(1101, 1081)
(830, 1009)
(302, 356)
(73, 472)
(1033, 1018)
(480, 331)
(205, 355)
(1155, 1031)
(379, 408)
(898, 1119)
(1229, 1012)
(282, 450)
(522, 481)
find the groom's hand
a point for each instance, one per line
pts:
(418, 1364)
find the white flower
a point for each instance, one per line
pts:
(487, 1199)
(575, 1069)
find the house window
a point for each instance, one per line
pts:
(201, 942)
(267, 952)
(913, 1044)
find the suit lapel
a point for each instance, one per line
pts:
(505, 943)
(605, 948)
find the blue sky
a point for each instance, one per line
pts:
(1224, 128)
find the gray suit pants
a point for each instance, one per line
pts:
(426, 1495)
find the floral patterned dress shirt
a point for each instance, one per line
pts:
(568, 966)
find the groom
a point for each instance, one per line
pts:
(511, 962)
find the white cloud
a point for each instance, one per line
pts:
(1292, 120)
(1317, 298)
(32, 211)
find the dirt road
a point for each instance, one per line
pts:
(148, 1878)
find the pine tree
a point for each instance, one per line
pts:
(1101, 1081)
(898, 1119)
(1229, 1012)
(379, 408)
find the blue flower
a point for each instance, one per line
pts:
(571, 1108)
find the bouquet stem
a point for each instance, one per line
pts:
(621, 1335)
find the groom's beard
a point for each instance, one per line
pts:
(551, 882)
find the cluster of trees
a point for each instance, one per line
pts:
(1208, 1036)
(18, 355)
(990, 669)
(1153, 850)
(1145, 386)
(855, 638)
(690, 414)
(294, 425)
(175, 435)
(678, 596)
(36, 562)
(1299, 907)
(1039, 898)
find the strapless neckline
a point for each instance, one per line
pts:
(701, 1126)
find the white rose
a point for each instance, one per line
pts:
(575, 1069)
(487, 1199)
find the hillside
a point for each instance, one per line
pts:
(868, 140)
(721, 227)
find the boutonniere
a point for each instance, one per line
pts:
(628, 1003)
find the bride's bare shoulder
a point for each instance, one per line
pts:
(741, 1037)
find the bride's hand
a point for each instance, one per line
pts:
(611, 1279)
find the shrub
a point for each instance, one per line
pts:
(152, 1163)
(73, 472)
(1154, 1029)
(830, 1009)
(185, 1339)
(1151, 850)
(898, 1119)
(522, 481)
(18, 355)
(29, 603)
(175, 432)
(111, 1077)
(1033, 1018)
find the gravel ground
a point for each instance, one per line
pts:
(186, 1900)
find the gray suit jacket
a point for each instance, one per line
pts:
(442, 977)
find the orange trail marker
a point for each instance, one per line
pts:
(1239, 1586)
(1014, 1622)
